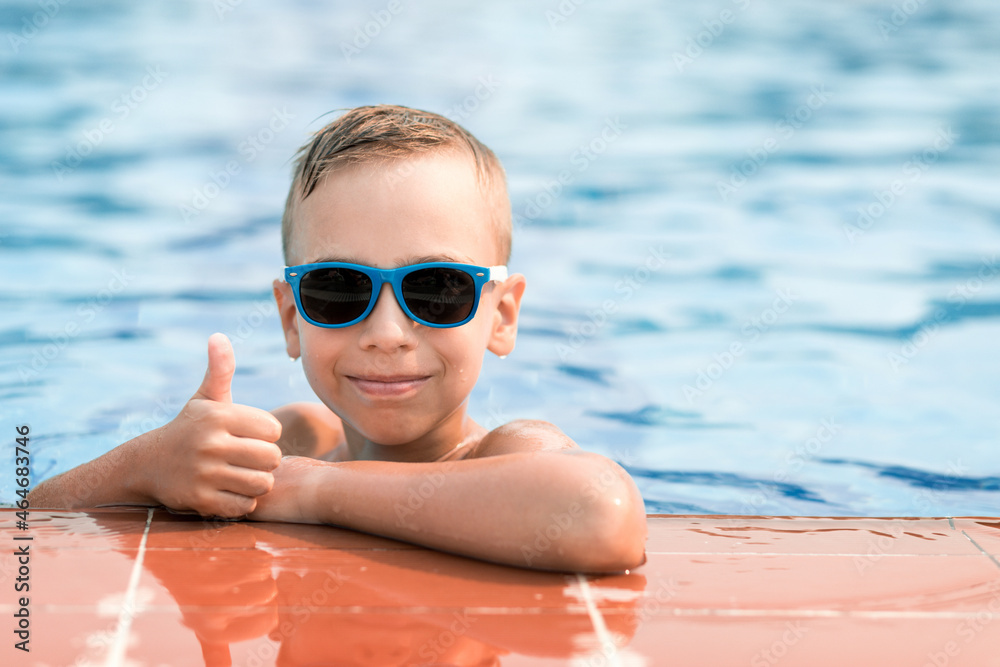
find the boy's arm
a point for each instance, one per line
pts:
(214, 457)
(530, 498)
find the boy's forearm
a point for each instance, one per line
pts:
(547, 510)
(108, 479)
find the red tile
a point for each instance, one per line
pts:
(799, 591)
(840, 583)
(71, 576)
(805, 535)
(985, 532)
(817, 642)
(94, 529)
(63, 638)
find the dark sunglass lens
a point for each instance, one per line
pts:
(439, 295)
(335, 296)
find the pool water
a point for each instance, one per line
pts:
(761, 238)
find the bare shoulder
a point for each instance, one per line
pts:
(308, 429)
(523, 435)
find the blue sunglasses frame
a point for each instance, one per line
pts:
(479, 274)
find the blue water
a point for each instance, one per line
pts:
(770, 287)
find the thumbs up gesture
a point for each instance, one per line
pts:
(216, 456)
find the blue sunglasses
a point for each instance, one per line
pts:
(435, 294)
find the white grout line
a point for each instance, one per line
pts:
(826, 613)
(845, 554)
(607, 644)
(116, 657)
(985, 552)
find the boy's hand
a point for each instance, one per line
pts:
(216, 456)
(293, 497)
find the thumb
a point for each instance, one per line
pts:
(219, 377)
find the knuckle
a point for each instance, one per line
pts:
(233, 506)
(265, 483)
(275, 459)
(269, 426)
(275, 431)
(206, 413)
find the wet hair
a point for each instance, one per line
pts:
(386, 134)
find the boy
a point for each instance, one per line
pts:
(393, 356)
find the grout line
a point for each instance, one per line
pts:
(843, 554)
(116, 658)
(608, 647)
(985, 552)
(826, 613)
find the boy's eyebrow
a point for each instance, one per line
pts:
(403, 262)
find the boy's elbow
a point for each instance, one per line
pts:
(615, 539)
(612, 535)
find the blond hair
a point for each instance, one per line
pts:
(388, 133)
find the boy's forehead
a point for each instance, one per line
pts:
(428, 208)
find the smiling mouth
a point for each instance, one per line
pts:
(387, 387)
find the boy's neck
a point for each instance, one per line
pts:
(447, 441)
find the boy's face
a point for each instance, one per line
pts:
(424, 209)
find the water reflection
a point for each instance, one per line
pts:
(364, 606)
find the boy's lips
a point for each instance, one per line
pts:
(387, 385)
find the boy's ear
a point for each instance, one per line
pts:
(503, 331)
(289, 320)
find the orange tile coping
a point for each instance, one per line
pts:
(130, 586)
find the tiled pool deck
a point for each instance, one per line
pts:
(146, 587)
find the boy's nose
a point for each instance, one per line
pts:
(387, 326)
